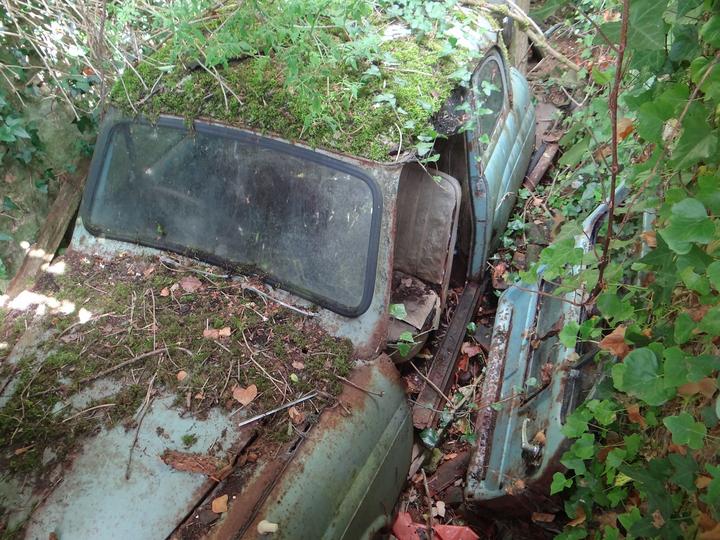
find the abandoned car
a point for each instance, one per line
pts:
(147, 394)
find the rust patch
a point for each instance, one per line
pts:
(485, 422)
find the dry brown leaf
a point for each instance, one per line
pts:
(21, 451)
(149, 271)
(181, 375)
(214, 333)
(657, 519)
(245, 395)
(708, 386)
(190, 284)
(615, 342)
(634, 415)
(540, 437)
(165, 292)
(711, 534)
(470, 349)
(698, 313)
(705, 386)
(624, 128)
(702, 481)
(677, 449)
(546, 373)
(540, 517)
(579, 519)
(649, 238)
(219, 504)
(296, 415)
(298, 365)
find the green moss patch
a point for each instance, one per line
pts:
(372, 105)
(201, 336)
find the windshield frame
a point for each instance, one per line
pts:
(113, 123)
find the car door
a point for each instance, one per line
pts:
(500, 142)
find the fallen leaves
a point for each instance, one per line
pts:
(181, 375)
(245, 396)
(706, 387)
(580, 517)
(615, 342)
(439, 509)
(220, 504)
(471, 349)
(540, 517)
(634, 415)
(298, 365)
(624, 128)
(296, 415)
(190, 284)
(649, 238)
(215, 333)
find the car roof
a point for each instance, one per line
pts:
(372, 110)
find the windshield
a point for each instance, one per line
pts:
(308, 222)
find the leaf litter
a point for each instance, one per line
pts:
(212, 343)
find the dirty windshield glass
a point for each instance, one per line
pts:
(305, 221)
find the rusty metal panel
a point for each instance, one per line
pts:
(344, 478)
(446, 358)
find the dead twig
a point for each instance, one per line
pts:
(144, 408)
(273, 411)
(432, 385)
(527, 24)
(428, 501)
(121, 365)
(103, 406)
(350, 383)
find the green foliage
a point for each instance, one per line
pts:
(319, 71)
(664, 293)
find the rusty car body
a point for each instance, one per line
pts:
(536, 382)
(332, 237)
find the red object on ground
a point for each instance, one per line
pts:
(405, 529)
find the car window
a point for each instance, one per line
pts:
(306, 222)
(488, 99)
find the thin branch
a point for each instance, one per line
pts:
(615, 166)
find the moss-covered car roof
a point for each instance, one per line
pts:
(375, 104)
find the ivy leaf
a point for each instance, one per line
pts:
(684, 325)
(568, 335)
(575, 154)
(713, 274)
(688, 224)
(685, 469)
(429, 437)
(398, 311)
(698, 140)
(559, 483)
(647, 27)
(639, 376)
(8, 204)
(710, 323)
(710, 31)
(613, 308)
(685, 430)
(712, 497)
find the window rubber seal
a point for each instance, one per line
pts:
(200, 126)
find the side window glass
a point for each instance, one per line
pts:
(488, 99)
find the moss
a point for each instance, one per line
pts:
(347, 115)
(189, 440)
(49, 376)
